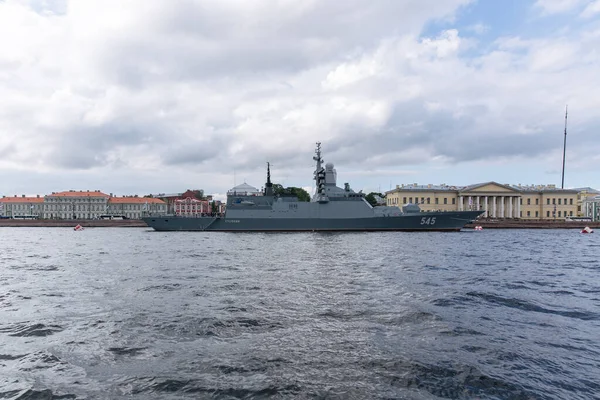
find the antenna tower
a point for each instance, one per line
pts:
(562, 185)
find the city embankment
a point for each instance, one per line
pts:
(516, 224)
(71, 223)
(134, 223)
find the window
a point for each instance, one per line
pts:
(529, 213)
(528, 202)
(422, 200)
(410, 199)
(559, 202)
(428, 202)
(521, 201)
(404, 200)
(453, 201)
(559, 212)
(537, 214)
(548, 213)
(570, 202)
(548, 201)
(554, 201)
(537, 202)
(445, 200)
(565, 203)
(437, 201)
(571, 213)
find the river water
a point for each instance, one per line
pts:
(109, 313)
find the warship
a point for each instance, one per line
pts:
(331, 208)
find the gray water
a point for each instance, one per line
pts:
(131, 313)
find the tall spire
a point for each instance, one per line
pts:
(562, 185)
(269, 185)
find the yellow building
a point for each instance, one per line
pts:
(497, 200)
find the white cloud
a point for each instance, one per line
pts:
(558, 6)
(143, 95)
(591, 9)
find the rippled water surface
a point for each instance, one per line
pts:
(132, 313)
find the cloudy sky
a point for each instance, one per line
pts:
(147, 96)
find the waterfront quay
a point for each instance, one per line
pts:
(135, 223)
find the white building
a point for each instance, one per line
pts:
(21, 207)
(74, 204)
(134, 207)
(80, 204)
(591, 208)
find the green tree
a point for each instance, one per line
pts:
(371, 198)
(300, 193)
(199, 194)
(279, 190)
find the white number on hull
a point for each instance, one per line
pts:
(428, 221)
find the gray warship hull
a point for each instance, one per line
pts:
(425, 221)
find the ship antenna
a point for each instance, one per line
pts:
(562, 185)
(319, 175)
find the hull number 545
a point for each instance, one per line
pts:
(428, 221)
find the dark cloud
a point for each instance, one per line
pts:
(85, 147)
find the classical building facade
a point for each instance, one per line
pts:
(192, 207)
(133, 207)
(21, 207)
(73, 204)
(80, 205)
(591, 208)
(496, 200)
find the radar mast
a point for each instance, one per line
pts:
(320, 195)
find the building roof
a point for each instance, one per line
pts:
(587, 189)
(134, 200)
(446, 188)
(478, 185)
(244, 187)
(423, 188)
(80, 193)
(190, 200)
(22, 199)
(166, 195)
(545, 189)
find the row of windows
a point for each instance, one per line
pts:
(424, 200)
(22, 207)
(428, 201)
(71, 200)
(537, 214)
(554, 201)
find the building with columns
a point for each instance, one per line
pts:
(496, 200)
